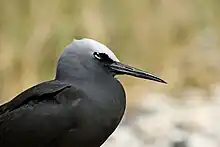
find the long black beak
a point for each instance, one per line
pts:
(120, 68)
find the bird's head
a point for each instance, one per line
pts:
(87, 54)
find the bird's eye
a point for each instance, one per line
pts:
(97, 55)
(102, 57)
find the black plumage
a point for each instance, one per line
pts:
(81, 107)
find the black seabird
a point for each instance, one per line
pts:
(81, 107)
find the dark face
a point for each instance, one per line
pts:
(92, 57)
(118, 68)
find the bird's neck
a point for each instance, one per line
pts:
(104, 93)
(102, 88)
(70, 71)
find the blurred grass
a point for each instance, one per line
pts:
(176, 39)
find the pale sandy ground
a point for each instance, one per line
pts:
(161, 121)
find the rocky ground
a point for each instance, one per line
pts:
(161, 121)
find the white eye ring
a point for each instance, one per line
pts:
(97, 56)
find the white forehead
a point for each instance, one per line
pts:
(96, 46)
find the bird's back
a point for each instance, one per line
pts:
(60, 115)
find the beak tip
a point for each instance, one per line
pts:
(164, 82)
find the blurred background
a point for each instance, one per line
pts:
(177, 40)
